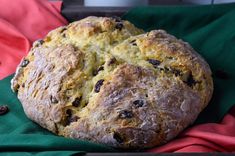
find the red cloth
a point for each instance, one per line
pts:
(210, 137)
(23, 21)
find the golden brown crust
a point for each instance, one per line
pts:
(100, 79)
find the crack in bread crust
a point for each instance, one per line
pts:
(104, 80)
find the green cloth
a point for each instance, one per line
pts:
(209, 29)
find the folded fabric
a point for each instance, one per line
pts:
(209, 29)
(211, 137)
(21, 23)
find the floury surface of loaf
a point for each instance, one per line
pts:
(104, 80)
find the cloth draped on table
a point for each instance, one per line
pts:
(209, 29)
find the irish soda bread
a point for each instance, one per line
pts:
(104, 80)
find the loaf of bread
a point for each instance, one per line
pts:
(104, 80)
